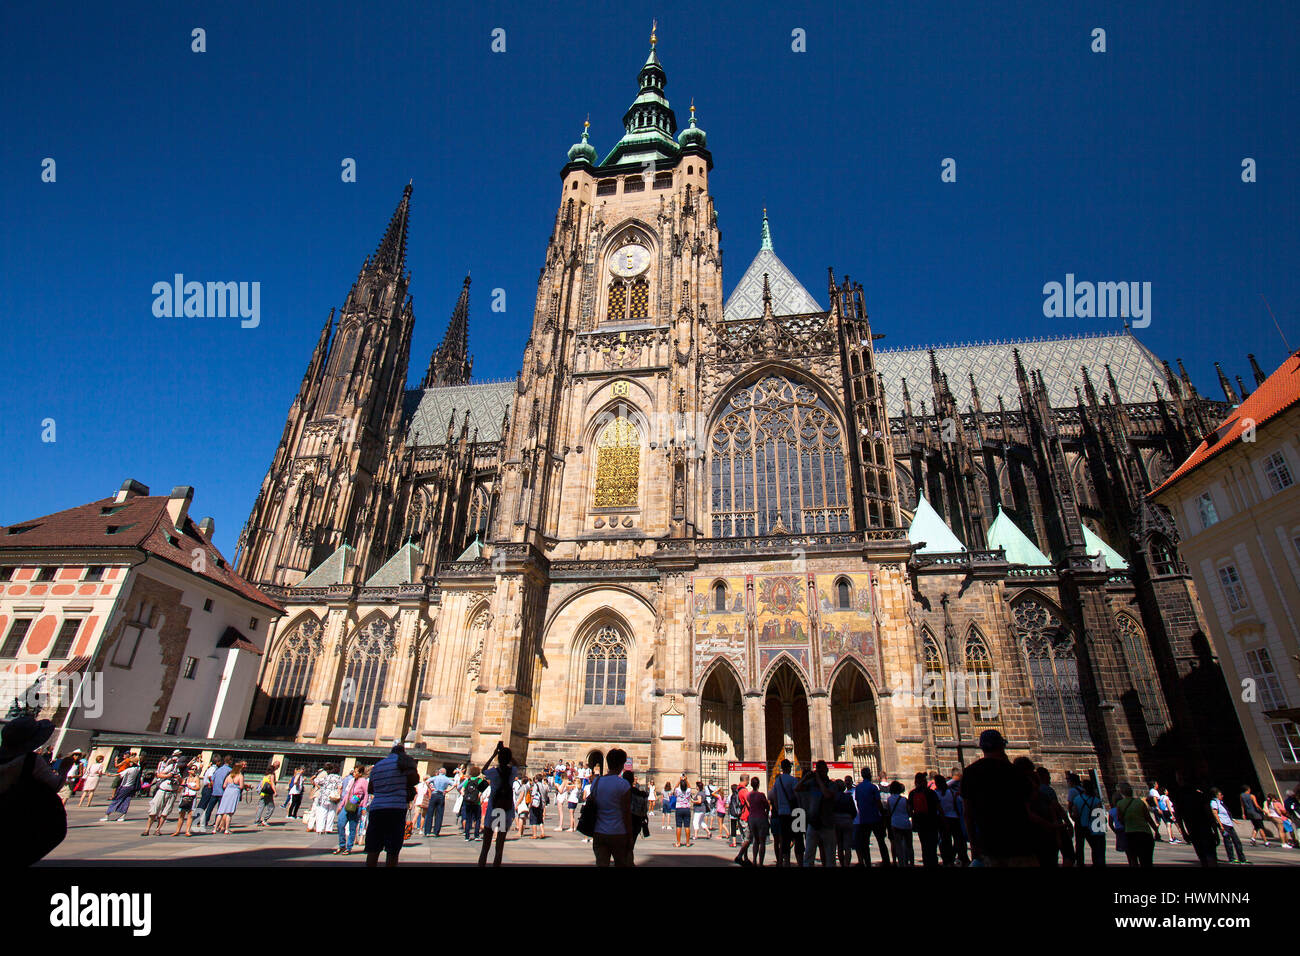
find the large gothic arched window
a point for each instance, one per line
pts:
(605, 683)
(981, 691)
(1053, 671)
(935, 688)
(1143, 672)
(777, 463)
(292, 678)
(618, 464)
(364, 676)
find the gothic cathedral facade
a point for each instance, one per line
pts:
(712, 532)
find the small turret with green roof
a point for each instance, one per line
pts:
(583, 152)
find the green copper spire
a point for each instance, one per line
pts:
(650, 123)
(583, 152)
(767, 234)
(693, 135)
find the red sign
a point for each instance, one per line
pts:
(739, 765)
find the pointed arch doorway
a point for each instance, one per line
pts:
(854, 730)
(722, 724)
(785, 718)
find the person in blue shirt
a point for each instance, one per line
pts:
(869, 821)
(784, 803)
(438, 788)
(392, 788)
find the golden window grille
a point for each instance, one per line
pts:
(617, 297)
(639, 301)
(618, 465)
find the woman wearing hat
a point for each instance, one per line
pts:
(128, 782)
(29, 794)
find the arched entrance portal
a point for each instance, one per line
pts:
(722, 725)
(785, 712)
(853, 720)
(596, 761)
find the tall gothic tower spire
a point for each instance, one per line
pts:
(451, 362)
(391, 255)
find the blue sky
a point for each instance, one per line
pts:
(225, 165)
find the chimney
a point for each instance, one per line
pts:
(130, 489)
(207, 526)
(178, 505)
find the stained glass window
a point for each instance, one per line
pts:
(606, 670)
(777, 463)
(1144, 675)
(981, 692)
(365, 675)
(618, 464)
(1053, 671)
(293, 673)
(935, 688)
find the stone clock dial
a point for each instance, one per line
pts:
(630, 260)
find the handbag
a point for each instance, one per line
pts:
(587, 816)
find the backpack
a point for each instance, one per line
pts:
(471, 794)
(640, 804)
(587, 815)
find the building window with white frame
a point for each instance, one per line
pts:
(1267, 683)
(1234, 592)
(1277, 472)
(1287, 735)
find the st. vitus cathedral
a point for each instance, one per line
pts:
(709, 532)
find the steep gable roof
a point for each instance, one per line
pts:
(486, 402)
(1275, 394)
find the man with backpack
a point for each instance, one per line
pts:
(1089, 818)
(471, 796)
(539, 797)
(820, 815)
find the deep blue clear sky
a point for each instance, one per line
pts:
(225, 166)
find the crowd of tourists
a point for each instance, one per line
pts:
(997, 811)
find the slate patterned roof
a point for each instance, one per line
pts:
(487, 403)
(993, 365)
(399, 569)
(1274, 395)
(788, 296)
(330, 571)
(138, 522)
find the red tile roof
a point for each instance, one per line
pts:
(140, 522)
(1275, 395)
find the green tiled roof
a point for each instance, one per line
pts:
(399, 569)
(330, 571)
(1004, 534)
(486, 403)
(1093, 543)
(928, 527)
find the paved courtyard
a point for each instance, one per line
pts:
(91, 843)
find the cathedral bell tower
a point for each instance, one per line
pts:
(602, 457)
(327, 480)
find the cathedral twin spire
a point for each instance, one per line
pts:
(451, 363)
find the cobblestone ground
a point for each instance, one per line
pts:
(91, 843)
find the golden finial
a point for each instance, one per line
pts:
(692, 106)
(586, 124)
(654, 25)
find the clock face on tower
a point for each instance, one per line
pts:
(630, 260)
